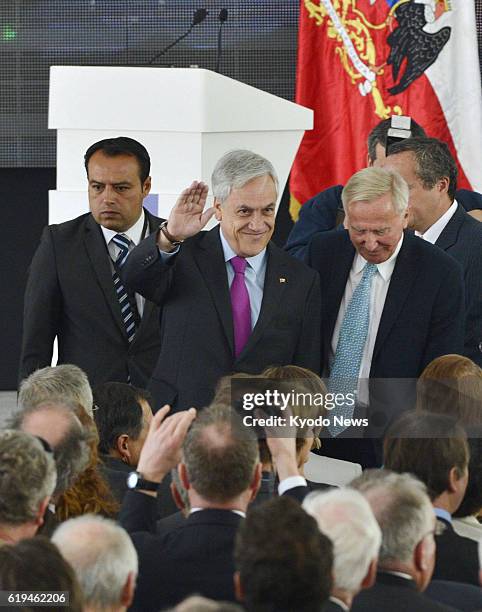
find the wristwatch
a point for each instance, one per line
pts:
(170, 237)
(135, 481)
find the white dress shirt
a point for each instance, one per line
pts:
(434, 231)
(134, 234)
(378, 294)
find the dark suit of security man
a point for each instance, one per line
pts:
(194, 280)
(70, 291)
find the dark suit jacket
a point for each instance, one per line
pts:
(423, 315)
(466, 597)
(115, 472)
(195, 557)
(332, 606)
(395, 594)
(462, 240)
(322, 213)
(70, 294)
(196, 324)
(457, 557)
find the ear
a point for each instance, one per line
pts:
(176, 496)
(218, 211)
(369, 161)
(256, 481)
(183, 476)
(421, 555)
(122, 447)
(44, 504)
(146, 187)
(443, 184)
(238, 587)
(453, 479)
(371, 575)
(128, 589)
(405, 218)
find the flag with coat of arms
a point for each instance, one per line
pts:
(361, 61)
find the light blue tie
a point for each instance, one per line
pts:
(350, 347)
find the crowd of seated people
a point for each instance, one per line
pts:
(405, 537)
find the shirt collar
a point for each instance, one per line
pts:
(385, 268)
(238, 512)
(134, 233)
(433, 232)
(443, 514)
(255, 262)
(399, 574)
(340, 603)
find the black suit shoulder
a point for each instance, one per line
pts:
(467, 597)
(396, 594)
(196, 556)
(457, 557)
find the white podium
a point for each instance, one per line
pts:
(185, 117)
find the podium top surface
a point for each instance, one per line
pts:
(165, 99)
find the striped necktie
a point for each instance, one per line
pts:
(351, 345)
(127, 313)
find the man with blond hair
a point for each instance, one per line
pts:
(392, 302)
(346, 518)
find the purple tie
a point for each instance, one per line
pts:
(240, 305)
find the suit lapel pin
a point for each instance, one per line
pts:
(282, 279)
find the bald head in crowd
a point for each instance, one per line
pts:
(104, 560)
(220, 466)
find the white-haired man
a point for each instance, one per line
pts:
(231, 300)
(65, 383)
(407, 555)
(104, 560)
(346, 518)
(27, 481)
(392, 303)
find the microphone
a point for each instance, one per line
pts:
(198, 17)
(223, 17)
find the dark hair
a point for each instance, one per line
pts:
(428, 446)
(35, 564)
(379, 133)
(433, 161)
(284, 561)
(112, 147)
(472, 502)
(220, 458)
(117, 411)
